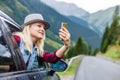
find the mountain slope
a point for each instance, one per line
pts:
(20, 8)
(85, 23)
(67, 9)
(73, 12)
(64, 10)
(101, 18)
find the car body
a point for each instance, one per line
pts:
(10, 54)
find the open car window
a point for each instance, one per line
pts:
(13, 53)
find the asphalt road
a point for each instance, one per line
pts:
(94, 68)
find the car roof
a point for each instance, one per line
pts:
(15, 26)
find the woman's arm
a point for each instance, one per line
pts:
(65, 37)
(54, 57)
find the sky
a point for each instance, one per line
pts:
(93, 5)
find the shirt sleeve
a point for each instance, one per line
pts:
(17, 38)
(50, 57)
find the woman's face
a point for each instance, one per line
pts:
(37, 30)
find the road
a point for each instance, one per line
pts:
(67, 77)
(94, 68)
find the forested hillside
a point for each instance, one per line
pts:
(18, 9)
(110, 45)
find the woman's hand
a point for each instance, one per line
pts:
(65, 36)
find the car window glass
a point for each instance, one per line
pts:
(5, 56)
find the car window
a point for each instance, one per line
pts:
(5, 56)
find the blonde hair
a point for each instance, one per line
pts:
(26, 37)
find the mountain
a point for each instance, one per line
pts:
(101, 18)
(85, 23)
(67, 9)
(97, 21)
(71, 11)
(18, 9)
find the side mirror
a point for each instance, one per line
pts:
(59, 66)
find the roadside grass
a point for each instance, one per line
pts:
(72, 68)
(113, 52)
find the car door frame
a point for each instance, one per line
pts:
(11, 43)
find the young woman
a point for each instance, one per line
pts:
(31, 41)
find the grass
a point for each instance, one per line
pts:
(53, 43)
(113, 52)
(72, 68)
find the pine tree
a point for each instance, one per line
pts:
(114, 27)
(85, 48)
(112, 32)
(78, 49)
(90, 51)
(105, 42)
(95, 51)
(70, 53)
(81, 47)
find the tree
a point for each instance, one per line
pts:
(105, 42)
(112, 32)
(78, 49)
(70, 53)
(95, 51)
(85, 48)
(114, 27)
(90, 51)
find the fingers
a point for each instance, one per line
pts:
(65, 29)
(63, 37)
(64, 34)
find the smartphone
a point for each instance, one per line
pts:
(64, 24)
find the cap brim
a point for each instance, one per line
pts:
(47, 25)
